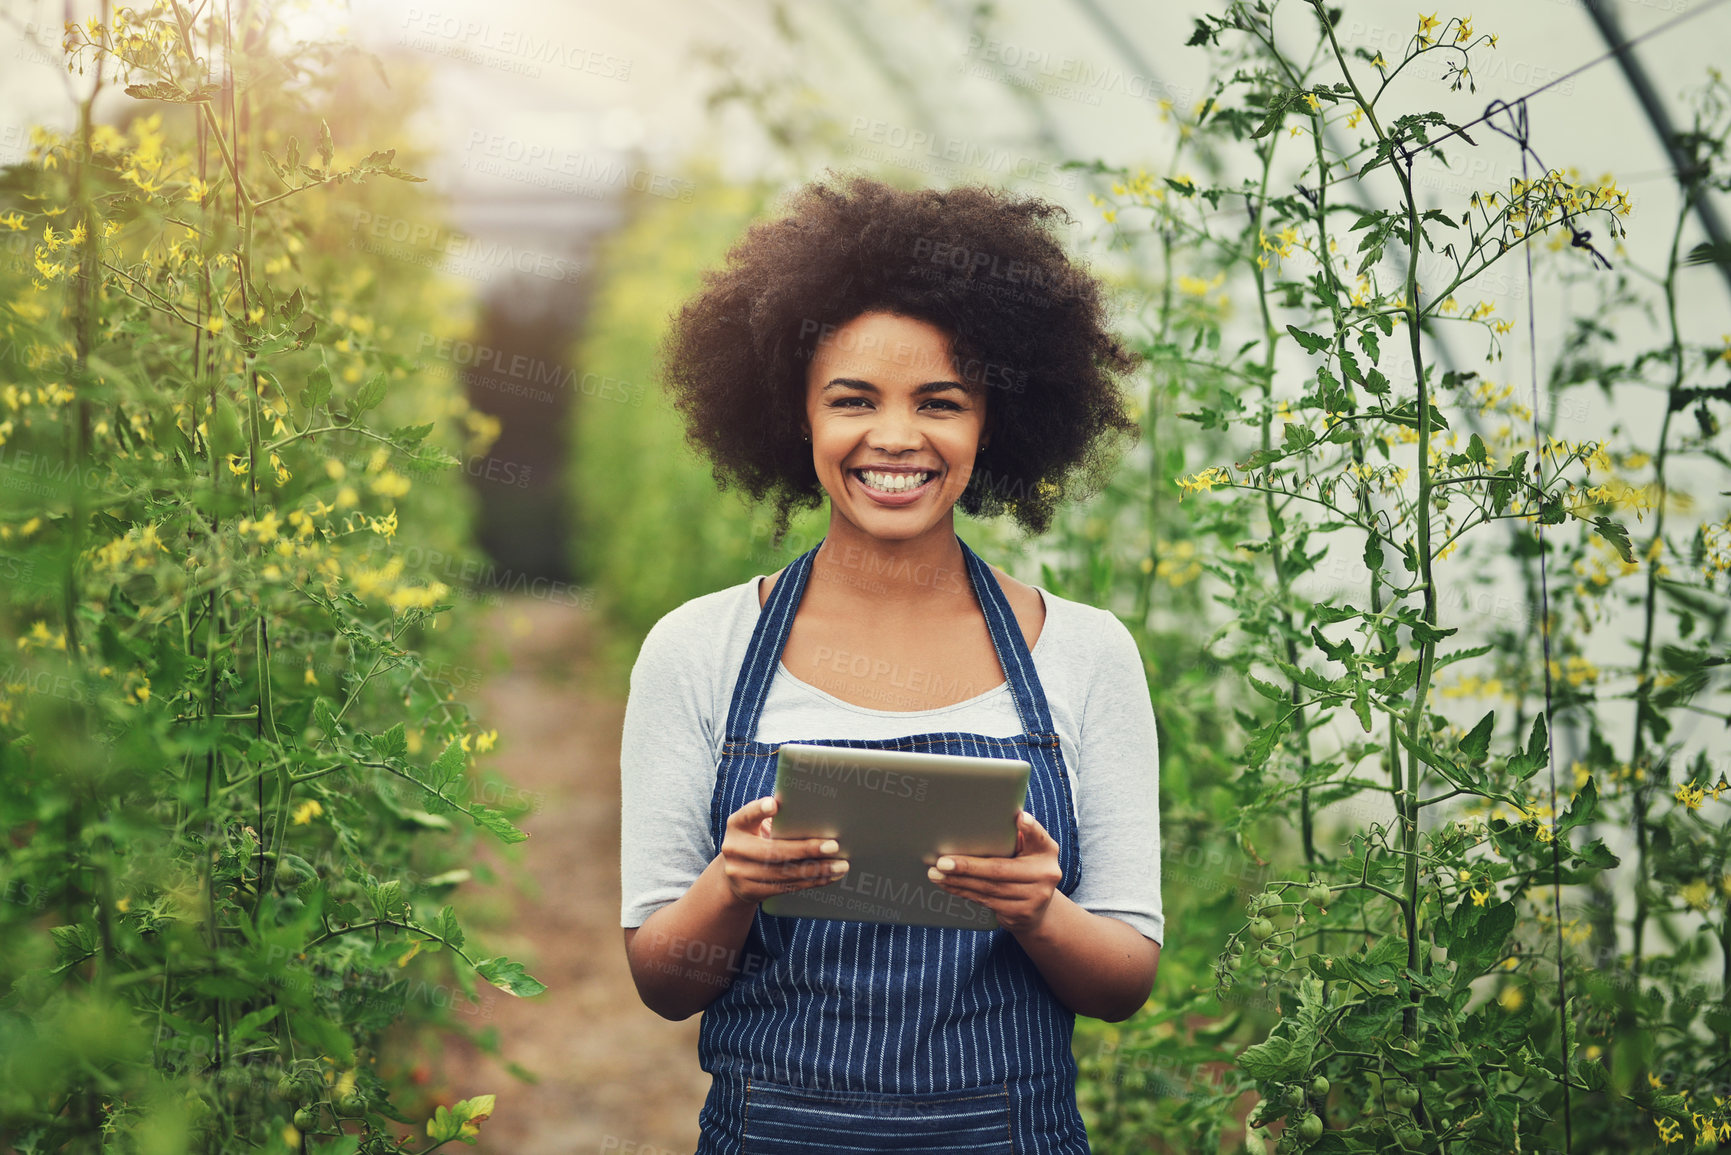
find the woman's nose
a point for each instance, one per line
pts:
(893, 431)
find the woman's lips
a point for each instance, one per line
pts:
(894, 497)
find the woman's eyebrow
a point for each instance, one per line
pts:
(867, 386)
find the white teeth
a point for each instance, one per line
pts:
(894, 482)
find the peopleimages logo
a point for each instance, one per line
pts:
(522, 44)
(467, 254)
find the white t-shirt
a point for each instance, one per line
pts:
(682, 685)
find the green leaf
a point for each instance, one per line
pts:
(1582, 809)
(1312, 342)
(1269, 690)
(411, 435)
(1616, 534)
(447, 768)
(1476, 450)
(1375, 383)
(1262, 743)
(1476, 745)
(1270, 1060)
(252, 1022)
(368, 395)
(393, 743)
(1523, 764)
(1337, 651)
(170, 91)
(326, 148)
(1373, 558)
(495, 821)
(1481, 944)
(318, 388)
(1423, 631)
(1260, 458)
(509, 977)
(1591, 1072)
(325, 719)
(445, 926)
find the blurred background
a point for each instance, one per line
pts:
(585, 163)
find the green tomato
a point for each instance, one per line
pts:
(351, 1106)
(1409, 1136)
(1261, 928)
(1406, 1095)
(1310, 1128)
(1319, 1086)
(1318, 894)
(1295, 1096)
(1267, 958)
(1518, 1062)
(307, 1118)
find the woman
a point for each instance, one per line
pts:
(901, 353)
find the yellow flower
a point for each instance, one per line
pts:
(1698, 895)
(1465, 31)
(307, 811)
(1426, 23)
(1203, 481)
(1479, 896)
(1511, 999)
(389, 484)
(1310, 99)
(213, 324)
(484, 742)
(265, 527)
(12, 221)
(1690, 795)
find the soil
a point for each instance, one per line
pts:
(613, 1075)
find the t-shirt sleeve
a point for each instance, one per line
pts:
(666, 767)
(1118, 788)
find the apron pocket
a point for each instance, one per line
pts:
(782, 1120)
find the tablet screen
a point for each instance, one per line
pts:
(894, 812)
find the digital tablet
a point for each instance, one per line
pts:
(894, 814)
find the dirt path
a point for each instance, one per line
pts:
(614, 1076)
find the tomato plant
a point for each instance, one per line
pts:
(236, 781)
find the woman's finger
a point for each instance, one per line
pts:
(1031, 837)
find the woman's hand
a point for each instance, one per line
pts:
(1018, 890)
(757, 866)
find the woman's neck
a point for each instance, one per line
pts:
(854, 566)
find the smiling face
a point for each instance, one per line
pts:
(893, 431)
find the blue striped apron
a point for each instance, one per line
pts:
(840, 1035)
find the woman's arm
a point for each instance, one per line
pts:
(686, 953)
(1097, 966)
